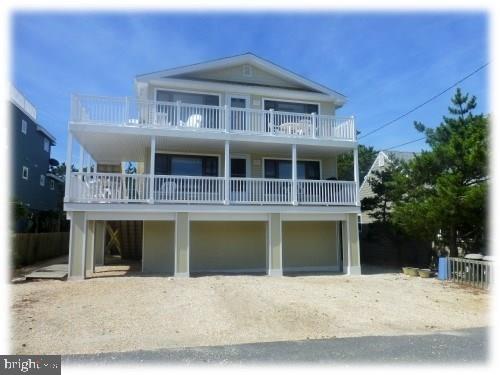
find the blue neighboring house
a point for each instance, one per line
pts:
(32, 183)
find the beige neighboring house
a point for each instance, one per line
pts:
(237, 167)
(380, 162)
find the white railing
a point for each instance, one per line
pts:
(129, 188)
(316, 192)
(93, 187)
(177, 115)
(476, 273)
(260, 191)
(189, 189)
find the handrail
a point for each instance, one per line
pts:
(124, 111)
(100, 187)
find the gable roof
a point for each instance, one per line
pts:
(246, 58)
(389, 156)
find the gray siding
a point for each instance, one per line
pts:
(28, 150)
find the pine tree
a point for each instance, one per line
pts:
(446, 187)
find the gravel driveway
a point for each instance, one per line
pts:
(115, 313)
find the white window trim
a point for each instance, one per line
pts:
(289, 101)
(220, 174)
(42, 180)
(24, 126)
(156, 89)
(263, 172)
(52, 184)
(247, 70)
(25, 169)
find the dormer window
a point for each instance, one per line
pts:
(247, 70)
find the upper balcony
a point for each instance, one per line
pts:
(204, 119)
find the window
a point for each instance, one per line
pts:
(186, 165)
(46, 144)
(187, 97)
(24, 126)
(247, 70)
(306, 170)
(42, 180)
(25, 173)
(52, 185)
(291, 107)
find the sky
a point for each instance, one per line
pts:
(385, 63)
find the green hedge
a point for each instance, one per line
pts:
(29, 248)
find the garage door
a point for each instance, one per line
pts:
(227, 247)
(310, 246)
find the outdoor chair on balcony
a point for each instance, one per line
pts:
(194, 121)
(302, 127)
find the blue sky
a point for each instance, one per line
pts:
(386, 63)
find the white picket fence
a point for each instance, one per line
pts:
(476, 273)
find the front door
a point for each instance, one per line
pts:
(238, 113)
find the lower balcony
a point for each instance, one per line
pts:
(90, 187)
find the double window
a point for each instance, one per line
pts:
(187, 97)
(186, 165)
(290, 107)
(306, 170)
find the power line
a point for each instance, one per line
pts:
(426, 102)
(404, 144)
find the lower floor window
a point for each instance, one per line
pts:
(186, 165)
(42, 180)
(306, 170)
(25, 173)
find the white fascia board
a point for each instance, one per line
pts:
(133, 209)
(177, 83)
(247, 58)
(79, 129)
(314, 217)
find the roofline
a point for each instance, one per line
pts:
(246, 57)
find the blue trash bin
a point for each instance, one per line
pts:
(443, 268)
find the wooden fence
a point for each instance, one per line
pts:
(476, 273)
(29, 248)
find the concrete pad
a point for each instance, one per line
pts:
(54, 271)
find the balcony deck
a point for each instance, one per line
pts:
(89, 187)
(133, 113)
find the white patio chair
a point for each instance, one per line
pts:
(194, 121)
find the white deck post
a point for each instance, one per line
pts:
(294, 174)
(314, 121)
(152, 171)
(81, 159)
(69, 152)
(227, 118)
(178, 112)
(226, 172)
(271, 120)
(356, 174)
